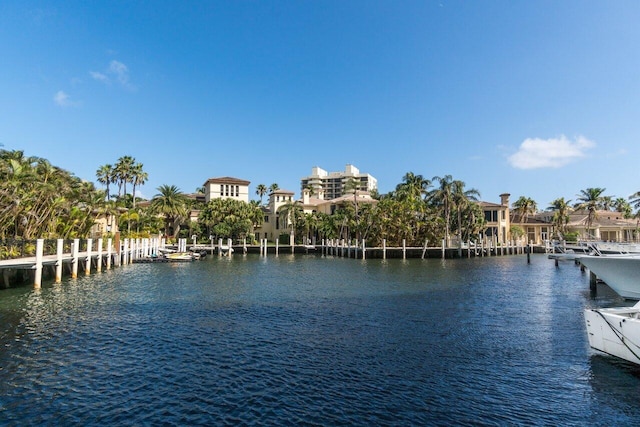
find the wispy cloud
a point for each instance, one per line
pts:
(99, 76)
(62, 99)
(117, 71)
(536, 153)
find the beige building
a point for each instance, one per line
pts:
(497, 219)
(226, 187)
(275, 224)
(331, 185)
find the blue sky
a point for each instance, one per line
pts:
(536, 99)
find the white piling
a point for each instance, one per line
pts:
(384, 248)
(74, 261)
(109, 244)
(87, 264)
(59, 250)
(37, 280)
(99, 263)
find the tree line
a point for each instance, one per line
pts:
(39, 200)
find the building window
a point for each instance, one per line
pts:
(266, 218)
(237, 190)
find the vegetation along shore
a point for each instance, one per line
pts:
(40, 200)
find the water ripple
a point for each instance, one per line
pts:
(308, 341)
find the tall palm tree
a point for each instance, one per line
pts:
(171, 203)
(561, 209)
(606, 203)
(106, 175)
(442, 197)
(414, 187)
(138, 177)
(261, 190)
(290, 214)
(273, 187)
(525, 206)
(590, 200)
(620, 204)
(123, 171)
(634, 200)
(461, 199)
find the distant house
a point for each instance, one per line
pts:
(497, 219)
(226, 188)
(605, 226)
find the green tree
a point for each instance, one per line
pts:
(106, 176)
(590, 200)
(462, 200)
(524, 207)
(261, 190)
(561, 209)
(442, 197)
(138, 177)
(171, 203)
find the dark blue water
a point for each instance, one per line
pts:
(312, 341)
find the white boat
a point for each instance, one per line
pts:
(620, 272)
(615, 331)
(179, 256)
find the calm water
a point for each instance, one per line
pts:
(312, 341)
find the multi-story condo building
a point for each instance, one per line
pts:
(331, 185)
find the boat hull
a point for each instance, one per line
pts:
(615, 331)
(620, 272)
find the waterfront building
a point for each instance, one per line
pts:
(276, 224)
(497, 219)
(608, 226)
(226, 188)
(331, 185)
(273, 225)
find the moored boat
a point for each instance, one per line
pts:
(620, 272)
(615, 331)
(179, 256)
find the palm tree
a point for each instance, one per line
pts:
(561, 210)
(589, 200)
(171, 203)
(414, 187)
(123, 170)
(261, 190)
(462, 199)
(106, 176)
(620, 204)
(606, 202)
(273, 187)
(442, 197)
(290, 213)
(634, 200)
(352, 185)
(138, 177)
(525, 206)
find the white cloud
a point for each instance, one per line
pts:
(120, 71)
(63, 100)
(99, 76)
(116, 71)
(535, 153)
